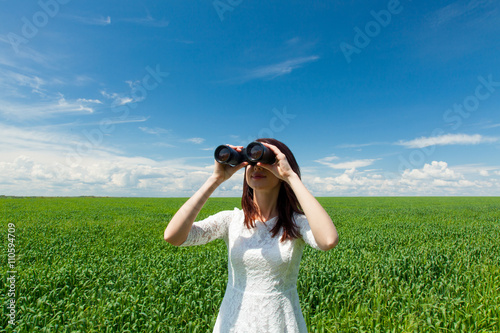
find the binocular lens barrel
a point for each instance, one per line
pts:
(227, 155)
(224, 154)
(253, 153)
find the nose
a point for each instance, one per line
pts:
(254, 168)
(257, 168)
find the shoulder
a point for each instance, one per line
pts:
(300, 220)
(305, 230)
(302, 224)
(237, 215)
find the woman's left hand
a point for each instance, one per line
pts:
(281, 168)
(321, 224)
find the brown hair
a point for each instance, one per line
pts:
(287, 201)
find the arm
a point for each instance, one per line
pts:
(179, 226)
(321, 224)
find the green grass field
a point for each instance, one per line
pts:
(402, 265)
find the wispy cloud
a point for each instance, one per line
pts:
(154, 131)
(85, 100)
(22, 111)
(22, 52)
(148, 21)
(359, 145)
(355, 164)
(118, 99)
(130, 119)
(40, 141)
(454, 11)
(14, 84)
(447, 139)
(196, 140)
(106, 121)
(163, 144)
(492, 126)
(101, 20)
(272, 71)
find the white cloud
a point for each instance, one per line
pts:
(163, 144)
(154, 131)
(118, 99)
(345, 165)
(272, 71)
(25, 96)
(84, 100)
(102, 20)
(132, 96)
(45, 109)
(45, 161)
(484, 173)
(436, 178)
(108, 121)
(438, 170)
(447, 139)
(492, 126)
(196, 140)
(147, 21)
(12, 78)
(453, 11)
(109, 175)
(22, 52)
(328, 159)
(22, 85)
(43, 141)
(359, 145)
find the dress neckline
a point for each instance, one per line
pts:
(272, 218)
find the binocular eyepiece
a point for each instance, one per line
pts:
(253, 153)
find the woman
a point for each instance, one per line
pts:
(265, 241)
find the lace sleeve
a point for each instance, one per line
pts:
(305, 231)
(209, 229)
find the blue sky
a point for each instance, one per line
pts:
(129, 98)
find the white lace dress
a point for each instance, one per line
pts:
(261, 294)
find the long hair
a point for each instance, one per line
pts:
(287, 201)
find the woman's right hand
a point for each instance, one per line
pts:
(223, 172)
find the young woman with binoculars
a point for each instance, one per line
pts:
(265, 239)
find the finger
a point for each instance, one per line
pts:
(275, 150)
(235, 147)
(272, 147)
(240, 166)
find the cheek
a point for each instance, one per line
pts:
(276, 182)
(272, 180)
(247, 175)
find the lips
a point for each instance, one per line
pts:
(258, 176)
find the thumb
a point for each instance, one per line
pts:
(240, 166)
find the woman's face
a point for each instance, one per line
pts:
(261, 179)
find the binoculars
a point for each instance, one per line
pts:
(253, 153)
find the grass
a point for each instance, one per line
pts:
(402, 265)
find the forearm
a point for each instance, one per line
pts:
(321, 224)
(179, 226)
